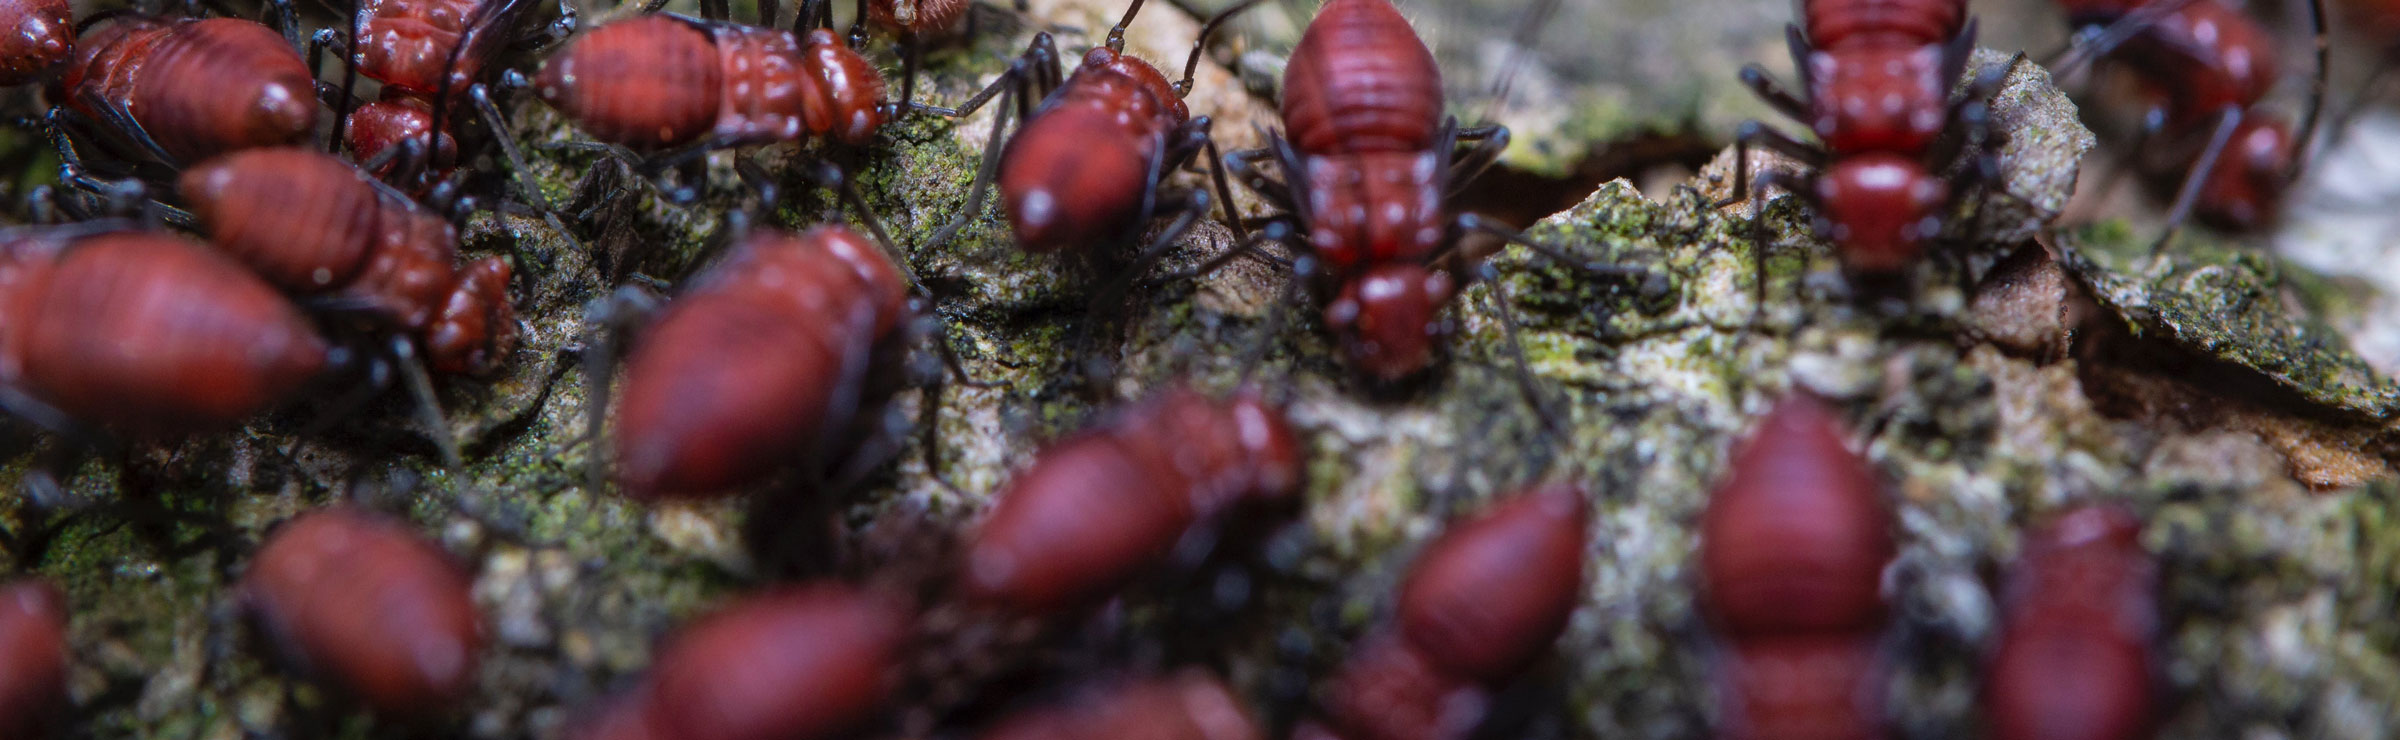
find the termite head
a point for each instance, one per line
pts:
(2244, 191)
(477, 328)
(1390, 319)
(1879, 209)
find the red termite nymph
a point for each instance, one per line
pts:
(1367, 164)
(186, 90)
(366, 602)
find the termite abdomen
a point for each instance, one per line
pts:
(801, 662)
(1187, 706)
(196, 87)
(1096, 509)
(1360, 81)
(1807, 687)
(40, 36)
(33, 657)
(1494, 592)
(216, 344)
(1796, 537)
(368, 603)
(2076, 657)
(736, 379)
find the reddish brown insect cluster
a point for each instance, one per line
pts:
(363, 601)
(1792, 551)
(195, 88)
(217, 345)
(1187, 706)
(40, 37)
(316, 226)
(33, 657)
(421, 50)
(1365, 169)
(1481, 605)
(798, 662)
(2207, 66)
(660, 82)
(1096, 509)
(1876, 77)
(742, 373)
(2076, 658)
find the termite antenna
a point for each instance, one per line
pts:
(1521, 45)
(1116, 34)
(1191, 66)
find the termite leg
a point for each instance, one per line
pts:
(983, 176)
(501, 133)
(2189, 194)
(1498, 294)
(1490, 141)
(2316, 93)
(1753, 133)
(1763, 84)
(605, 320)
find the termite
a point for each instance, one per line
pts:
(187, 89)
(218, 344)
(368, 603)
(1368, 163)
(33, 657)
(2077, 655)
(1097, 508)
(1481, 604)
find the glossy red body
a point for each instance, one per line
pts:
(1361, 81)
(736, 379)
(797, 662)
(33, 657)
(406, 44)
(315, 225)
(365, 601)
(658, 82)
(1074, 176)
(197, 87)
(1495, 591)
(1363, 105)
(390, 121)
(1097, 508)
(215, 344)
(2200, 60)
(1479, 607)
(1878, 98)
(1806, 687)
(40, 37)
(1796, 537)
(1188, 706)
(2076, 657)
